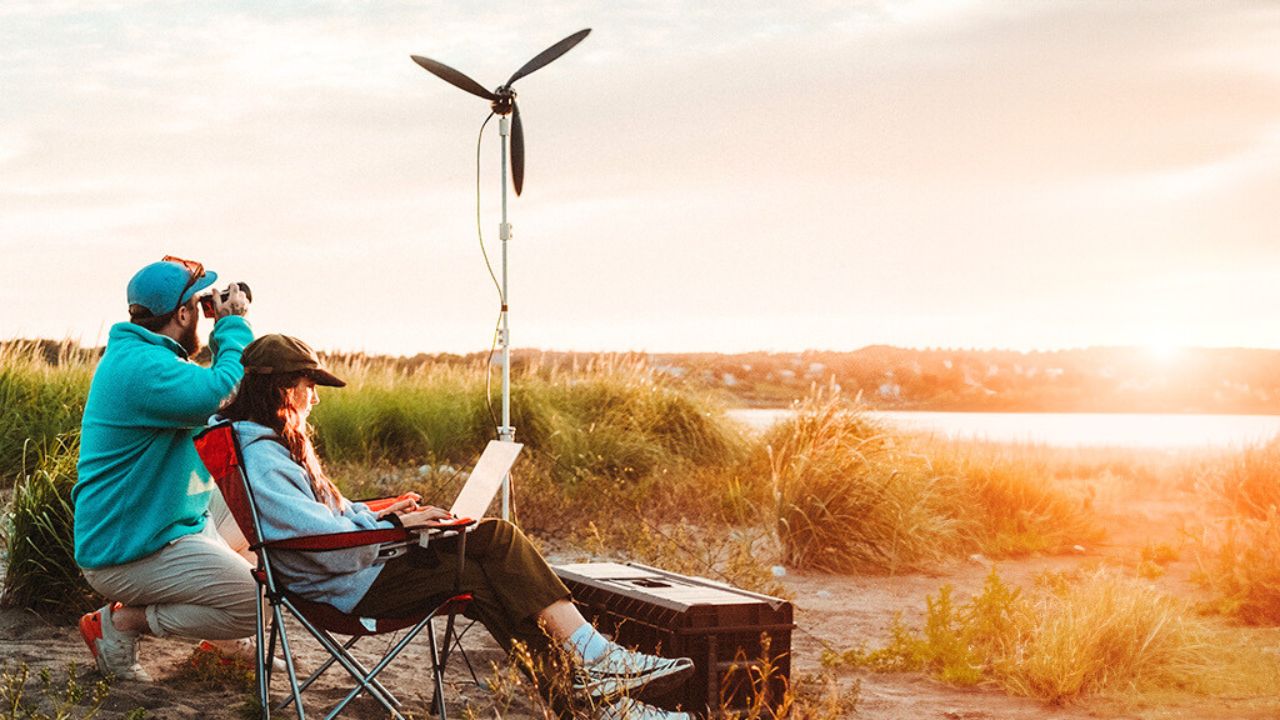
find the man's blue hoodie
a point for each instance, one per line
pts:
(141, 483)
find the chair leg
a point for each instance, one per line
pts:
(437, 671)
(445, 647)
(457, 643)
(288, 662)
(264, 669)
(271, 649)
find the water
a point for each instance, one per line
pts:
(1144, 430)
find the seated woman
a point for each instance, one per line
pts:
(515, 593)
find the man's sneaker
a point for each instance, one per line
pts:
(115, 652)
(621, 671)
(628, 709)
(227, 652)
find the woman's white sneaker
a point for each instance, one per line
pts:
(619, 671)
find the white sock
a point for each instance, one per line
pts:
(587, 643)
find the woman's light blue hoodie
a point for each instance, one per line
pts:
(287, 508)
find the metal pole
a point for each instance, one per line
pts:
(506, 433)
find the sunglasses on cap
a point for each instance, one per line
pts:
(196, 271)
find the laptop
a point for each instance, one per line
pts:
(485, 479)
(472, 501)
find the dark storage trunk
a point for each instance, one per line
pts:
(679, 616)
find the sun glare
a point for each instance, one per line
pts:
(1163, 351)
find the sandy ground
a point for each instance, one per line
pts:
(833, 612)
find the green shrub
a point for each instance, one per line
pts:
(47, 697)
(42, 392)
(613, 418)
(42, 573)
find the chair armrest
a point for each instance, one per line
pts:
(450, 524)
(338, 541)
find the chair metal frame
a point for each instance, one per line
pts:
(220, 450)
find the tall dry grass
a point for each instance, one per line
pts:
(1238, 546)
(42, 393)
(1020, 499)
(1248, 486)
(1096, 634)
(849, 495)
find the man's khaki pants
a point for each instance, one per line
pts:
(196, 586)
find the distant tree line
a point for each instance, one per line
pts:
(1081, 380)
(1118, 379)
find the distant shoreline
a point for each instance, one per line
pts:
(1016, 411)
(1194, 381)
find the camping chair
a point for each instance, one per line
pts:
(220, 450)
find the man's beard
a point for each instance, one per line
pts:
(190, 341)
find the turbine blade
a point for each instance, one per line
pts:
(453, 77)
(551, 53)
(517, 149)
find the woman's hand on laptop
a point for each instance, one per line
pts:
(406, 503)
(425, 517)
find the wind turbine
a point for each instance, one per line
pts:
(502, 100)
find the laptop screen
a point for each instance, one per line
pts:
(485, 479)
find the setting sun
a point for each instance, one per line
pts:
(1164, 351)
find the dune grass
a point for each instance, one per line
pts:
(1021, 500)
(1248, 486)
(1073, 637)
(1238, 544)
(42, 393)
(849, 495)
(613, 416)
(42, 573)
(386, 414)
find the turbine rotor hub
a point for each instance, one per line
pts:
(503, 103)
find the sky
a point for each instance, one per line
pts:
(709, 176)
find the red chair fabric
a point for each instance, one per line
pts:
(220, 452)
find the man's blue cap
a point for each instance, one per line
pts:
(157, 285)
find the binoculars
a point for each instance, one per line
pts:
(206, 301)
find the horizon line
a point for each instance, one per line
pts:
(1164, 350)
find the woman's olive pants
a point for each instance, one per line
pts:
(509, 582)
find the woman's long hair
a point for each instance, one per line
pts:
(266, 400)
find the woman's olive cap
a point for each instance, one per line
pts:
(277, 354)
